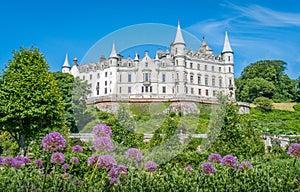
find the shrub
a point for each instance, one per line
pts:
(263, 103)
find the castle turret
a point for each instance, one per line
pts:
(66, 66)
(113, 57)
(227, 52)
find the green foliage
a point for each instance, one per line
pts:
(30, 102)
(275, 121)
(263, 103)
(297, 107)
(235, 136)
(265, 78)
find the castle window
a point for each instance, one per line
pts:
(129, 64)
(163, 64)
(163, 77)
(213, 68)
(198, 66)
(229, 58)
(105, 83)
(146, 89)
(97, 91)
(220, 69)
(205, 67)
(120, 78)
(142, 89)
(98, 75)
(206, 92)
(176, 51)
(229, 69)
(191, 65)
(106, 74)
(220, 82)
(146, 77)
(230, 82)
(164, 89)
(150, 89)
(206, 80)
(146, 64)
(214, 93)
(176, 62)
(83, 78)
(105, 90)
(120, 89)
(91, 76)
(191, 78)
(192, 90)
(199, 79)
(129, 78)
(129, 89)
(213, 81)
(199, 91)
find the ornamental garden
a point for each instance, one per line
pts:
(37, 114)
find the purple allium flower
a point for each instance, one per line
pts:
(19, 158)
(122, 169)
(150, 166)
(294, 150)
(113, 180)
(26, 160)
(107, 162)
(116, 171)
(189, 168)
(77, 149)
(214, 157)
(65, 166)
(208, 168)
(57, 158)
(92, 160)
(53, 142)
(74, 160)
(2, 161)
(229, 160)
(245, 165)
(9, 161)
(38, 163)
(102, 130)
(18, 164)
(65, 175)
(103, 144)
(134, 154)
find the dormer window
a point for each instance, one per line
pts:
(229, 58)
(163, 64)
(129, 64)
(146, 64)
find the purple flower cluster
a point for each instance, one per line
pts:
(208, 168)
(294, 150)
(92, 160)
(134, 154)
(120, 170)
(103, 144)
(65, 175)
(1, 161)
(38, 163)
(229, 160)
(107, 162)
(102, 130)
(189, 168)
(74, 160)
(57, 158)
(10, 161)
(16, 162)
(113, 180)
(214, 157)
(65, 166)
(77, 149)
(53, 142)
(150, 166)
(245, 165)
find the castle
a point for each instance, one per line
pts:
(198, 75)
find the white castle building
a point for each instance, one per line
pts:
(176, 74)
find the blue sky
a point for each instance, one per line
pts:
(268, 29)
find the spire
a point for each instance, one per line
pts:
(113, 51)
(178, 38)
(227, 47)
(156, 56)
(136, 58)
(66, 63)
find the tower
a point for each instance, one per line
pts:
(112, 71)
(178, 52)
(227, 55)
(66, 66)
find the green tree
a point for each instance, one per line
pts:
(30, 101)
(263, 103)
(271, 71)
(65, 83)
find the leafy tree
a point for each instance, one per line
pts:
(65, 83)
(271, 71)
(30, 102)
(297, 85)
(263, 103)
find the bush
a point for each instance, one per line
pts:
(263, 103)
(297, 107)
